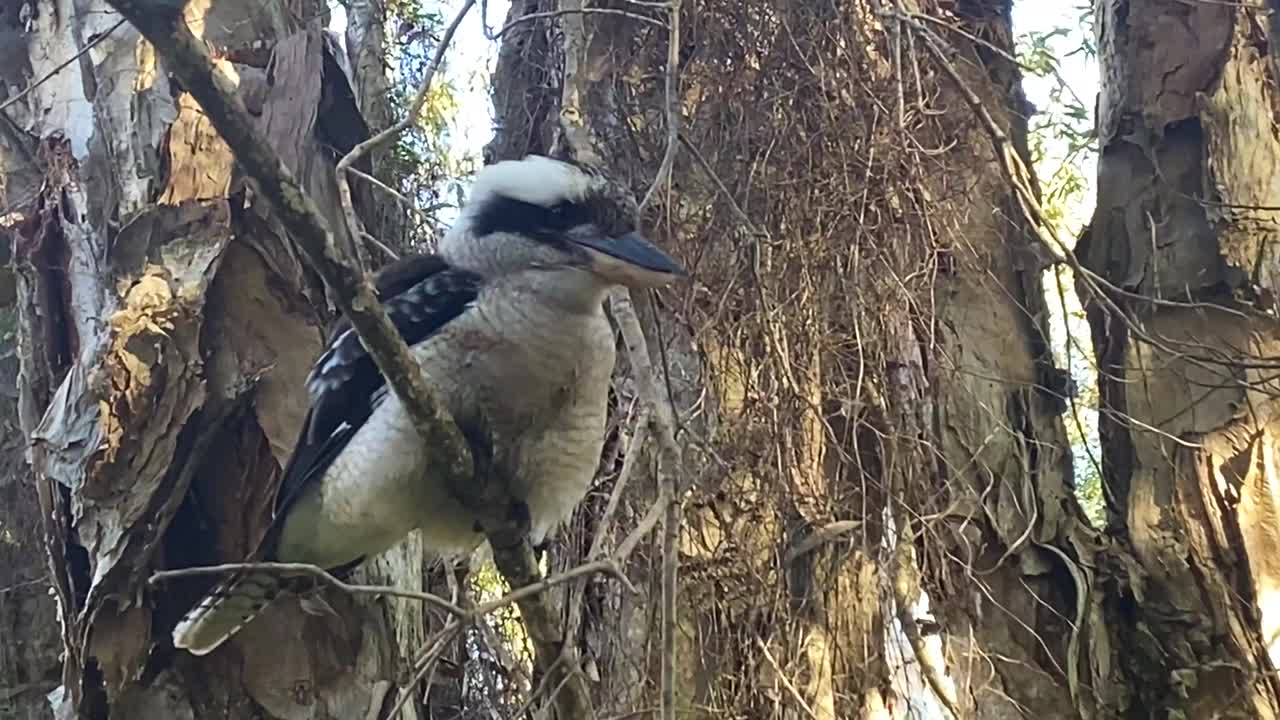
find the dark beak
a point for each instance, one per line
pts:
(629, 259)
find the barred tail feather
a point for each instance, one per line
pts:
(229, 606)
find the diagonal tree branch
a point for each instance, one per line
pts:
(162, 24)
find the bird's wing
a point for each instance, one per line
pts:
(421, 295)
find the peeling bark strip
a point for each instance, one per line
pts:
(1186, 222)
(144, 329)
(199, 161)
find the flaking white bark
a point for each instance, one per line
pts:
(164, 344)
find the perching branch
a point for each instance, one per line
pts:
(162, 24)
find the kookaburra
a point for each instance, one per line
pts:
(508, 325)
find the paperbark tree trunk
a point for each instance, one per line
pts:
(1184, 241)
(164, 326)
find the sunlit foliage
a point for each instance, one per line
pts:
(1064, 150)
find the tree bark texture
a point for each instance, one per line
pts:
(164, 326)
(1184, 240)
(29, 662)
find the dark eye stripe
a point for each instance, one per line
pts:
(503, 214)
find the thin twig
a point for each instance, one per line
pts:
(672, 97)
(410, 120)
(386, 250)
(572, 11)
(399, 197)
(705, 166)
(658, 407)
(786, 681)
(608, 567)
(316, 572)
(62, 65)
(622, 306)
(646, 525)
(427, 664)
(605, 523)
(638, 439)
(545, 633)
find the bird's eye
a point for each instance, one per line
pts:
(561, 214)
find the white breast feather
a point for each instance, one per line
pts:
(381, 486)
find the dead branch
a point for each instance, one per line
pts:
(316, 572)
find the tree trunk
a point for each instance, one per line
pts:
(29, 662)
(1182, 315)
(864, 321)
(164, 326)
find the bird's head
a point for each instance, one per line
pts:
(540, 213)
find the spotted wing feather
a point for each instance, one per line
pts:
(421, 295)
(345, 384)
